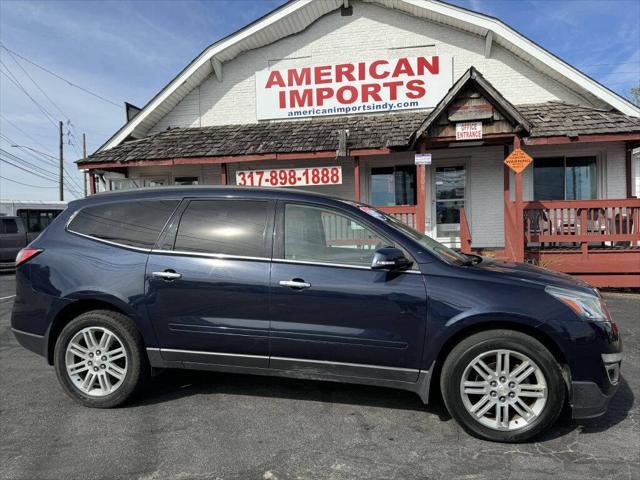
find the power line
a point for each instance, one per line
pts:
(36, 84)
(39, 172)
(61, 78)
(24, 184)
(70, 124)
(53, 161)
(17, 83)
(24, 133)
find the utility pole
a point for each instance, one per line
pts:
(84, 157)
(61, 162)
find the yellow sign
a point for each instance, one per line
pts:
(518, 160)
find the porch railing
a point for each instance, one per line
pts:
(584, 222)
(407, 214)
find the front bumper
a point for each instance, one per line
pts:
(587, 398)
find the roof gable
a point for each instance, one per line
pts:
(473, 79)
(296, 15)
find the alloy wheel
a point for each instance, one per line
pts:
(96, 361)
(503, 390)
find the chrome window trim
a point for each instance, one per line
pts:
(109, 242)
(340, 265)
(220, 256)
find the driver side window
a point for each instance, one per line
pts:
(324, 236)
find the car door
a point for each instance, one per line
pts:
(208, 283)
(330, 311)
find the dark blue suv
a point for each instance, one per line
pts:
(295, 284)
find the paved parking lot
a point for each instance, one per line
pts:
(192, 425)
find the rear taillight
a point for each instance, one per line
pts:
(27, 253)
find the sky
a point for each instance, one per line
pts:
(127, 50)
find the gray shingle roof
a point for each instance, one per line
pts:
(562, 119)
(365, 131)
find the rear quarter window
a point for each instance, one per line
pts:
(137, 224)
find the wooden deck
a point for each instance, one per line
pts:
(596, 240)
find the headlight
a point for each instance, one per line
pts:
(589, 307)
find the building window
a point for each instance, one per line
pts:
(393, 186)
(124, 184)
(565, 178)
(186, 181)
(155, 181)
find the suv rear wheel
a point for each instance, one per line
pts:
(99, 359)
(502, 385)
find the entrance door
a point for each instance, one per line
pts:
(449, 191)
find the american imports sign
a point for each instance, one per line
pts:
(352, 88)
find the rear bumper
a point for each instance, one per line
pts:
(588, 399)
(31, 341)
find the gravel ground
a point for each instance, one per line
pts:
(192, 425)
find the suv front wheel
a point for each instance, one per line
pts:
(99, 359)
(502, 385)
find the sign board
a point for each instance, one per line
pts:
(518, 160)
(469, 131)
(290, 177)
(470, 109)
(423, 159)
(353, 88)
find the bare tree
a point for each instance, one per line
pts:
(634, 95)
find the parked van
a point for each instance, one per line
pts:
(294, 284)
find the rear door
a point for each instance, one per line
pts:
(208, 283)
(330, 311)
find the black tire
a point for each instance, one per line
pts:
(468, 349)
(137, 364)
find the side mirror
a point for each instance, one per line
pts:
(390, 258)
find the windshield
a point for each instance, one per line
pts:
(432, 246)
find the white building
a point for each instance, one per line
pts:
(347, 92)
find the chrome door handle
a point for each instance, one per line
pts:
(167, 275)
(294, 284)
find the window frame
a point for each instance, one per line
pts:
(278, 244)
(167, 240)
(179, 202)
(599, 174)
(395, 167)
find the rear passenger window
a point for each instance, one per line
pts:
(9, 225)
(132, 223)
(230, 227)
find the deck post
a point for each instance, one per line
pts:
(92, 184)
(223, 174)
(629, 169)
(421, 194)
(509, 233)
(356, 177)
(519, 211)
